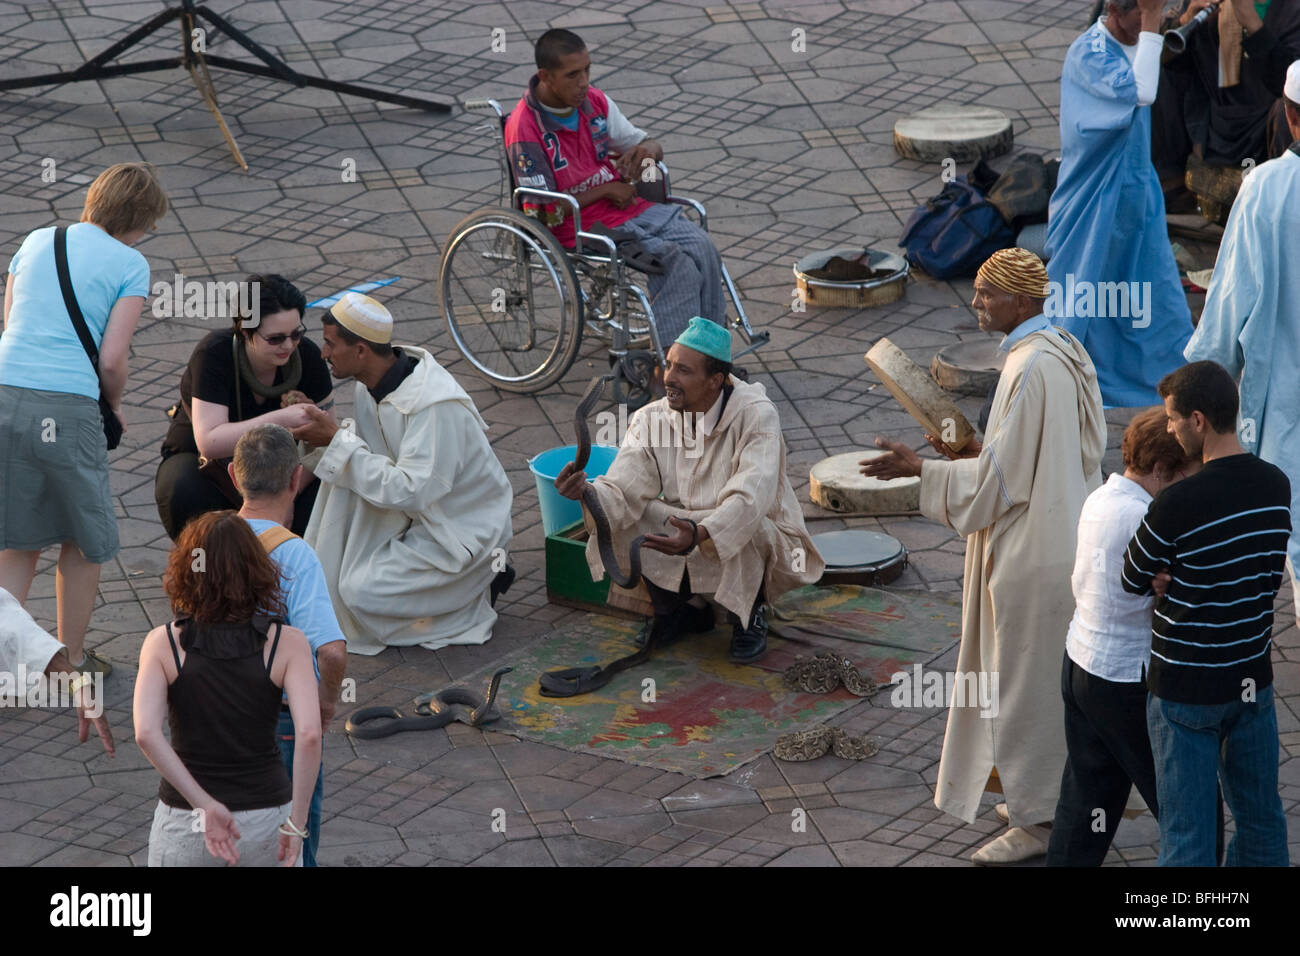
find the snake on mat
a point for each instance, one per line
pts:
(826, 671)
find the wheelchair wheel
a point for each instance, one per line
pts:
(602, 316)
(511, 300)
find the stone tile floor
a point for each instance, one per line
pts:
(790, 149)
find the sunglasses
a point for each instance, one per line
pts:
(281, 337)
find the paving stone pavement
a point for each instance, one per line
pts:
(790, 151)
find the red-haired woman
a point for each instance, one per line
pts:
(217, 672)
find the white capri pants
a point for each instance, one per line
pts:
(175, 839)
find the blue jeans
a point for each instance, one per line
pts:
(1196, 746)
(284, 736)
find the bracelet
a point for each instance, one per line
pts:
(695, 536)
(290, 829)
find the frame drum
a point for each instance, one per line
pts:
(868, 558)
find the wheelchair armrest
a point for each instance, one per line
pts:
(692, 204)
(556, 197)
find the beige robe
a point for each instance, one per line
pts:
(731, 480)
(1018, 506)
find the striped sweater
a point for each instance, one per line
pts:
(1222, 533)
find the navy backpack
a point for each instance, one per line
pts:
(953, 233)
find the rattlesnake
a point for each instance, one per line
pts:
(811, 744)
(821, 675)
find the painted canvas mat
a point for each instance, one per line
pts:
(703, 715)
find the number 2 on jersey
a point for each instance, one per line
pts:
(552, 143)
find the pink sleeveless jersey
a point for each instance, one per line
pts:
(545, 155)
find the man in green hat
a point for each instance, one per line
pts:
(707, 461)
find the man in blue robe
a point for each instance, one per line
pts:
(1251, 322)
(1115, 284)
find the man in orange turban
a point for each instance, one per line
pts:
(1016, 498)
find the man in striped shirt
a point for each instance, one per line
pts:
(1221, 537)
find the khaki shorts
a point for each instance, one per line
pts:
(54, 474)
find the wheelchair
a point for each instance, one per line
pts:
(516, 301)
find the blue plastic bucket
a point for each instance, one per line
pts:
(559, 512)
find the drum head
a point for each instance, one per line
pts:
(857, 549)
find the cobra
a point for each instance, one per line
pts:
(573, 681)
(604, 539)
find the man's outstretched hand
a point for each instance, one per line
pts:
(319, 430)
(901, 462)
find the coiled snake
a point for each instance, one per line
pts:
(433, 710)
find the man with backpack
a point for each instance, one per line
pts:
(266, 472)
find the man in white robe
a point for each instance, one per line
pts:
(1251, 322)
(1017, 500)
(701, 472)
(413, 517)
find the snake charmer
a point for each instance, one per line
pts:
(706, 464)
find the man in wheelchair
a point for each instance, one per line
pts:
(567, 136)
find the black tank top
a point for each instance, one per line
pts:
(223, 709)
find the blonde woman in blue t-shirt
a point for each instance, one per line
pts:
(53, 453)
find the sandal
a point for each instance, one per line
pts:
(94, 664)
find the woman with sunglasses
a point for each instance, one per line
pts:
(263, 371)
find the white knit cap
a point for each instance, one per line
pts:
(363, 316)
(1292, 87)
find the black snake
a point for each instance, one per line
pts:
(433, 710)
(604, 538)
(572, 681)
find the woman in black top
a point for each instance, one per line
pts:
(218, 672)
(263, 371)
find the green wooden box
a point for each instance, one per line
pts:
(568, 579)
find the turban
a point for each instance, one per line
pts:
(363, 317)
(1015, 271)
(707, 338)
(1292, 88)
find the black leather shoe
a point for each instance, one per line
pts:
(687, 619)
(750, 643)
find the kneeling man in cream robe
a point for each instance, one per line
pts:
(1017, 501)
(413, 515)
(701, 472)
